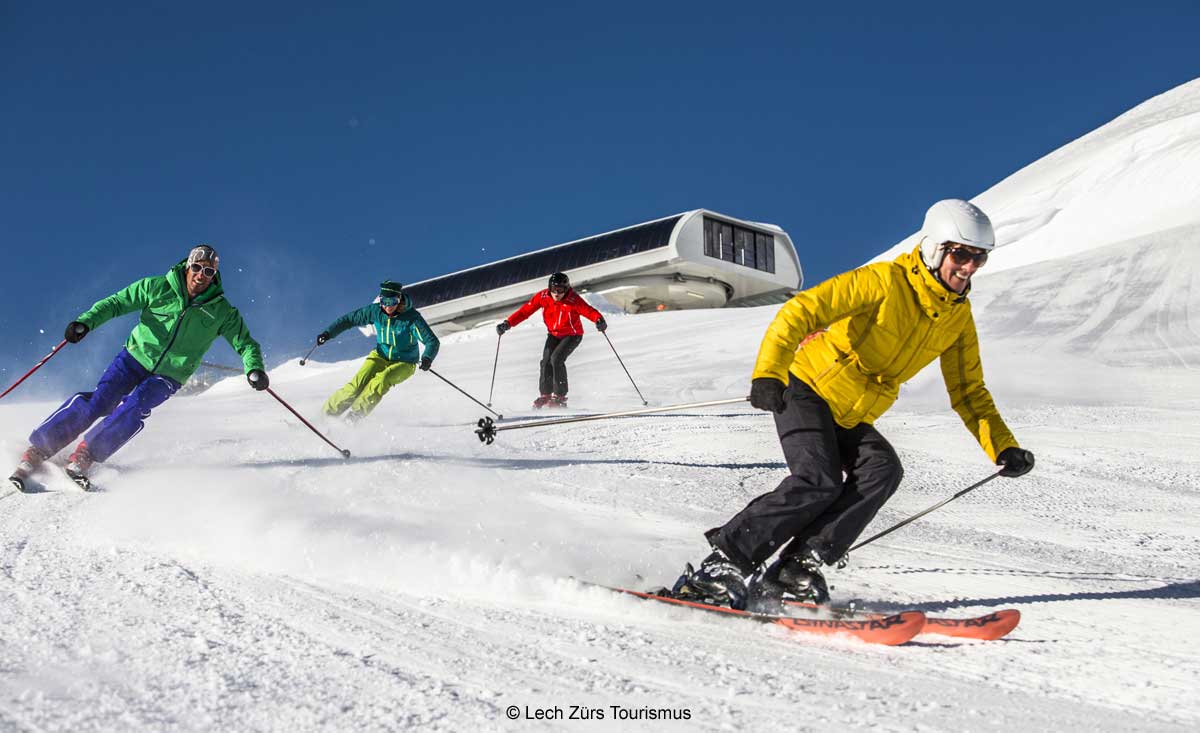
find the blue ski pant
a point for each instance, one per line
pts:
(124, 397)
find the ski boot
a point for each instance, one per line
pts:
(78, 465)
(542, 401)
(30, 460)
(794, 578)
(718, 582)
(558, 400)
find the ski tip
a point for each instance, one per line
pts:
(988, 627)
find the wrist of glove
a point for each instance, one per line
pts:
(766, 393)
(258, 379)
(1016, 462)
(601, 325)
(502, 327)
(322, 337)
(426, 362)
(75, 332)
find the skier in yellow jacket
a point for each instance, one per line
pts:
(829, 365)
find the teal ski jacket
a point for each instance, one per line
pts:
(396, 337)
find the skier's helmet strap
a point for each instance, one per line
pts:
(204, 253)
(957, 221)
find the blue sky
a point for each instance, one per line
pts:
(326, 149)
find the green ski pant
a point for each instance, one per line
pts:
(362, 393)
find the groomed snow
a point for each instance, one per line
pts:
(239, 575)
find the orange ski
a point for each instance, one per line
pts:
(988, 627)
(890, 630)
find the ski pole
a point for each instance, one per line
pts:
(614, 348)
(38, 366)
(488, 428)
(452, 384)
(310, 351)
(345, 453)
(495, 364)
(917, 516)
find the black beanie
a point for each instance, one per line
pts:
(391, 289)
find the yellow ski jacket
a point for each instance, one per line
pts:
(872, 330)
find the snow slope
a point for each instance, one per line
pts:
(239, 575)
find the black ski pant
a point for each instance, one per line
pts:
(816, 506)
(554, 364)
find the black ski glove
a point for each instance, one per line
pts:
(766, 393)
(426, 362)
(1016, 462)
(601, 325)
(322, 337)
(258, 379)
(501, 327)
(75, 332)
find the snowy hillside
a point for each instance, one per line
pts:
(239, 575)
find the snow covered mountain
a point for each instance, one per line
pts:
(239, 575)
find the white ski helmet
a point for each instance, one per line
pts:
(954, 220)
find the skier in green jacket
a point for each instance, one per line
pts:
(182, 313)
(398, 329)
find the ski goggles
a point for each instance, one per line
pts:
(205, 269)
(962, 256)
(389, 301)
(559, 288)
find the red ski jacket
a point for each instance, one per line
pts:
(561, 316)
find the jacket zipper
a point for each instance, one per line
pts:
(174, 335)
(175, 330)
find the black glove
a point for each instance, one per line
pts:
(426, 362)
(75, 332)
(766, 393)
(322, 337)
(501, 327)
(258, 379)
(1016, 462)
(601, 325)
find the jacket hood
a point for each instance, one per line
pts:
(177, 277)
(408, 305)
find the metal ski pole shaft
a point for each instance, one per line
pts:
(495, 364)
(345, 453)
(452, 384)
(917, 516)
(36, 367)
(310, 351)
(614, 350)
(488, 429)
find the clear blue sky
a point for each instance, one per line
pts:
(323, 150)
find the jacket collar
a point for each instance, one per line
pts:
(177, 279)
(934, 297)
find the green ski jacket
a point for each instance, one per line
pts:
(173, 334)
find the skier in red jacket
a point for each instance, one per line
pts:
(561, 308)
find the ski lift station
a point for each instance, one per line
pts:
(697, 259)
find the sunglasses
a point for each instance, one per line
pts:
(389, 301)
(558, 289)
(208, 271)
(962, 256)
